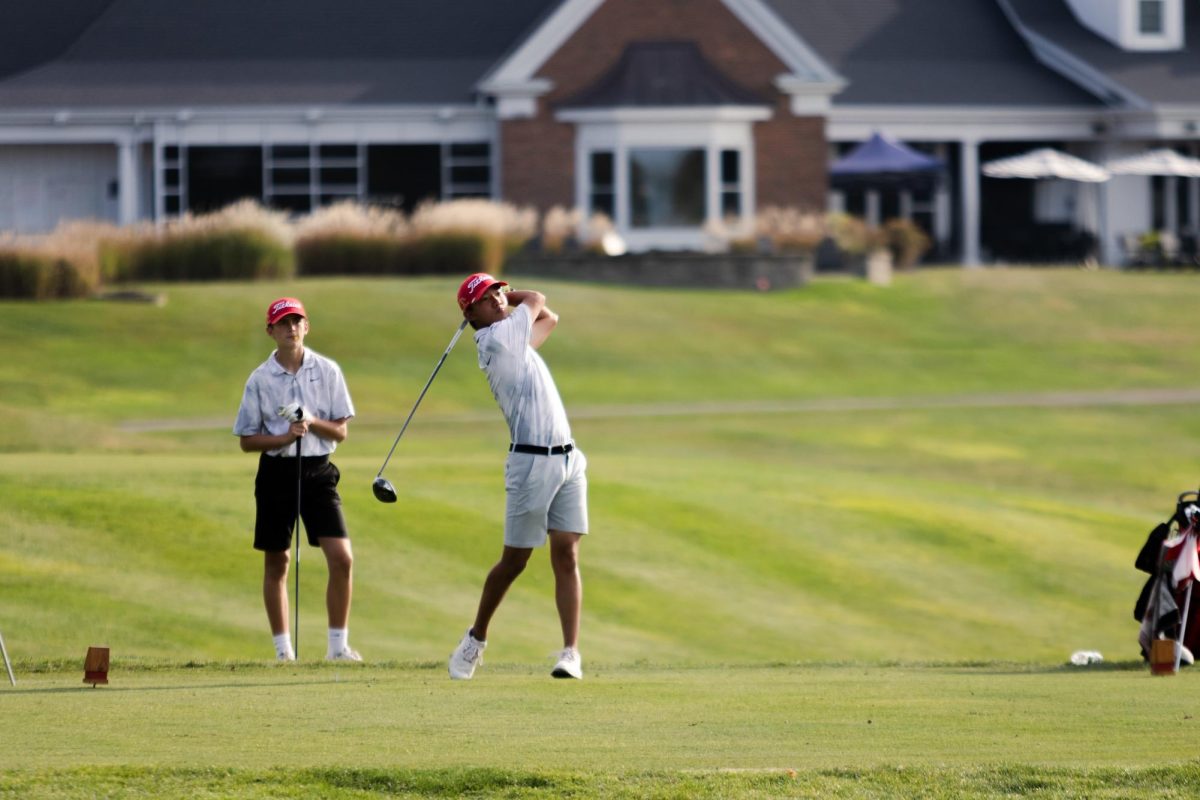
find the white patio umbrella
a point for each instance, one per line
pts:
(1156, 162)
(1046, 162)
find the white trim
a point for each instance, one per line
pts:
(619, 134)
(783, 41)
(521, 65)
(944, 123)
(669, 115)
(253, 125)
(517, 99)
(809, 98)
(120, 115)
(512, 81)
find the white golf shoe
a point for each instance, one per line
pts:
(570, 664)
(346, 655)
(466, 657)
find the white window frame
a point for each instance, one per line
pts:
(621, 130)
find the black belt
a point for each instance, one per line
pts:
(533, 449)
(306, 460)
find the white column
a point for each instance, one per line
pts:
(160, 206)
(1193, 189)
(127, 182)
(622, 207)
(969, 182)
(712, 188)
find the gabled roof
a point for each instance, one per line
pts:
(520, 66)
(229, 52)
(663, 74)
(927, 52)
(1139, 79)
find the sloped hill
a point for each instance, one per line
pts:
(954, 468)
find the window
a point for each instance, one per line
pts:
(602, 198)
(731, 183)
(666, 188)
(467, 170)
(1150, 17)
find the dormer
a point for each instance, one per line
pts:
(1136, 25)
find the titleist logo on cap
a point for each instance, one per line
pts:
(282, 304)
(478, 279)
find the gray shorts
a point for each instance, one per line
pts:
(544, 493)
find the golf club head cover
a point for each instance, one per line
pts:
(293, 412)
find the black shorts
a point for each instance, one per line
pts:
(275, 501)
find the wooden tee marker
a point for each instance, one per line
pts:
(95, 666)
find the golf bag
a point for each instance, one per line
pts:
(1170, 556)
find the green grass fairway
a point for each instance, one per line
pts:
(799, 502)
(850, 730)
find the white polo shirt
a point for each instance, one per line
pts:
(521, 382)
(318, 386)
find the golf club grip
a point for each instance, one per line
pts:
(421, 397)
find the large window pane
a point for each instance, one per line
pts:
(666, 188)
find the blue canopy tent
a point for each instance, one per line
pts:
(883, 162)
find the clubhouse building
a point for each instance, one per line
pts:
(663, 114)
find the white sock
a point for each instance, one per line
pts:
(283, 646)
(339, 640)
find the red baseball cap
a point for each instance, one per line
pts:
(474, 287)
(282, 307)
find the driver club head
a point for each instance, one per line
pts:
(383, 489)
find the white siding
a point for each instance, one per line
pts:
(43, 184)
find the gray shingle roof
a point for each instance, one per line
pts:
(94, 53)
(662, 74)
(33, 32)
(927, 52)
(1171, 77)
(228, 52)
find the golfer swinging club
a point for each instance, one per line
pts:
(298, 396)
(544, 479)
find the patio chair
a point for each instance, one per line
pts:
(1168, 244)
(1132, 251)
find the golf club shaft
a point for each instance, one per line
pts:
(441, 361)
(8, 664)
(296, 606)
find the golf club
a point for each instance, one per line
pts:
(296, 416)
(384, 491)
(8, 664)
(299, 482)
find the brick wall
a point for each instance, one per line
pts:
(538, 154)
